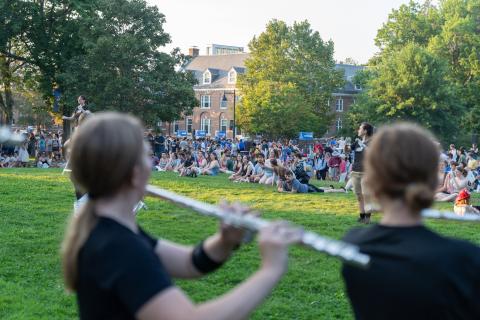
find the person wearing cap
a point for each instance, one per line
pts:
(462, 204)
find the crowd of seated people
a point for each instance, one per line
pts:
(459, 170)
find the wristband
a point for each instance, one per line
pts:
(202, 262)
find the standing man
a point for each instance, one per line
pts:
(365, 132)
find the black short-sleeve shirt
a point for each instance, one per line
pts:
(118, 272)
(414, 274)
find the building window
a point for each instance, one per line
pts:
(205, 102)
(175, 126)
(205, 125)
(189, 125)
(223, 125)
(358, 87)
(354, 101)
(231, 125)
(328, 102)
(223, 103)
(159, 124)
(338, 124)
(339, 105)
(207, 77)
(232, 77)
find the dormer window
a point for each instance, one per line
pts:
(358, 87)
(232, 77)
(207, 77)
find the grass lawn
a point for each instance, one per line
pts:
(35, 205)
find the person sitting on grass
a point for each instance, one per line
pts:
(293, 185)
(455, 181)
(43, 161)
(242, 169)
(181, 161)
(462, 204)
(267, 177)
(173, 162)
(258, 169)
(213, 167)
(246, 171)
(188, 166)
(163, 162)
(227, 164)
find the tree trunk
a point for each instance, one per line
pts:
(6, 97)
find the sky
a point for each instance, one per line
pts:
(351, 24)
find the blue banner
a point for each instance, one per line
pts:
(305, 136)
(200, 133)
(221, 134)
(182, 133)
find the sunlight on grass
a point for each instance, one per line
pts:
(35, 205)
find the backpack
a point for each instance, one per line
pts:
(300, 172)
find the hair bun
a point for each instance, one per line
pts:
(418, 196)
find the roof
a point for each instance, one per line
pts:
(220, 65)
(350, 71)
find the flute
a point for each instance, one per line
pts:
(346, 252)
(446, 215)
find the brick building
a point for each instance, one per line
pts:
(216, 91)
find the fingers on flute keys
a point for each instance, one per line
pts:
(230, 234)
(273, 241)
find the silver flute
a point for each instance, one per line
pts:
(446, 215)
(346, 252)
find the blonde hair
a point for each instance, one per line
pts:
(105, 150)
(401, 163)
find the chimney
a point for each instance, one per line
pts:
(193, 51)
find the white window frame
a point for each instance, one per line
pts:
(339, 105)
(189, 125)
(205, 102)
(339, 124)
(223, 124)
(203, 124)
(232, 79)
(223, 104)
(207, 77)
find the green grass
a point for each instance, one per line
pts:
(35, 205)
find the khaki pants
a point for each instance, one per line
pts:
(361, 189)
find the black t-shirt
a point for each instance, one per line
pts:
(414, 274)
(189, 162)
(118, 272)
(359, 152)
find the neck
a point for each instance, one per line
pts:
(119, 208)
(396, 213)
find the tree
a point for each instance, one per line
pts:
(289, 79)
(411, 23)
(122, 68)
(459, 44)
(409, 84)
(107, 50)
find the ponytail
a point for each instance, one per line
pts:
(78, 230)
(418, 196)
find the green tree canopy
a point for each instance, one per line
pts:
(290, 78)
(106, 50)
(449, 35)
(409, 84)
